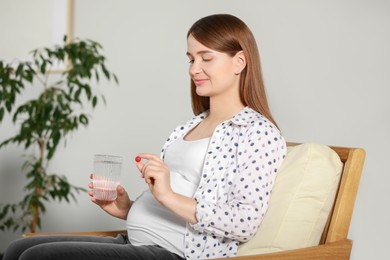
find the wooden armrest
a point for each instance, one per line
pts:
(331, 251)
(113, 233)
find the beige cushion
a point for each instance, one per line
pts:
(301, 201)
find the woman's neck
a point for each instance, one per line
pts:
(218, 113)
(221, 111)
(224, 107)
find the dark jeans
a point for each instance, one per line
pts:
(83, 248)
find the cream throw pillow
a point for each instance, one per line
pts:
(301, 201)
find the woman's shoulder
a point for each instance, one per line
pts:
(252, 119)
(264, 129)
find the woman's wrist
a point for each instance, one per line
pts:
(167, 199)
(125, 210)
(182, 206)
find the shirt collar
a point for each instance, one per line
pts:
(244, 117)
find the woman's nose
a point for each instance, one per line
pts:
(195, 69)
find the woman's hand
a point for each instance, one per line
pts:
(119, 207)
(156, 175)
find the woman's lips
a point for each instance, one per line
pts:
(199, 82)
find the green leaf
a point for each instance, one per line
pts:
(88, 91)
(43, 67)
(4, 211)
(1, 113)
(83, 119)
(8, 106)
(94, 103)
(97, 76)
(116, 79)
(29, 76)
(105, 71)
(77, 95)
(19, 70)
(56, 136)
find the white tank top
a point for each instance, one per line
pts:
(150, 223)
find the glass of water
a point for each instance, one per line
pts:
(106, 174)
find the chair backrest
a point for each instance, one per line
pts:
(340, 217)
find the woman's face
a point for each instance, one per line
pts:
(214, 73)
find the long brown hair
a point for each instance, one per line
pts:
(228, 34)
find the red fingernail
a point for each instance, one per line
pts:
(137, 159)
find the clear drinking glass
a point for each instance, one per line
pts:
(106, 174)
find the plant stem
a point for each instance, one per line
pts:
(38, 190)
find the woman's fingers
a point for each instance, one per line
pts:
(155, 172)
(149, 156)
(152, 159)
(90, 186)
(150, 168)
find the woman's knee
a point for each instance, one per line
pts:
(32, 253)
(45, 251)
(15, 249)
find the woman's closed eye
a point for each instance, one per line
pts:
(191, 61)
(206, 57)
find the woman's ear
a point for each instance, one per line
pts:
(240, 62)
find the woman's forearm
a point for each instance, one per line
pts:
(182, 206)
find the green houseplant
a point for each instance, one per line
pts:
(43, 122)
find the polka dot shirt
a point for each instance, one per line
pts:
(241, 163)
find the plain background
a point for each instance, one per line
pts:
(326, 66)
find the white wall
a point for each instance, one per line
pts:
(327, 70)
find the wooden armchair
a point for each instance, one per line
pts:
(334, 243)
